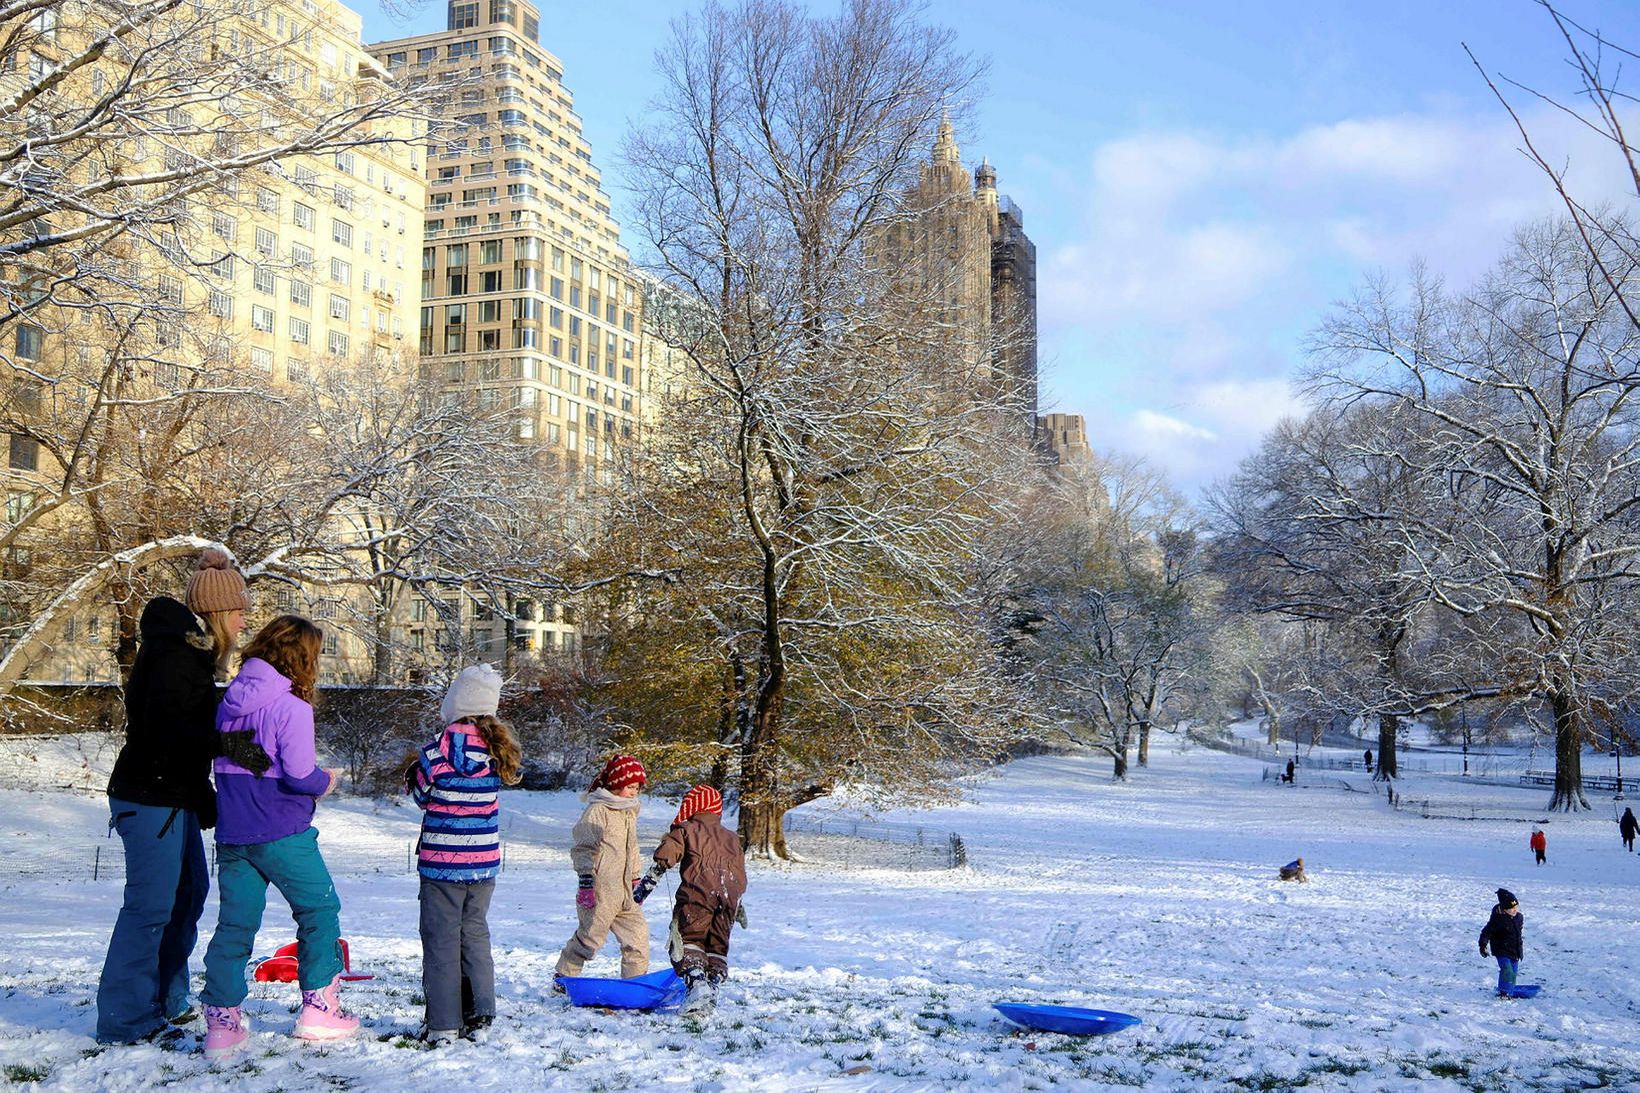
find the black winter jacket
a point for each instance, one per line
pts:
(1502, 932)
(1628, 825)
(170, 716)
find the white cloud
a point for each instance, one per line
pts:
(1175, 314)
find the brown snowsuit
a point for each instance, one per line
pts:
(606, 846)
(711, 880)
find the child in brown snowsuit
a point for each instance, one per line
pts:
(605, 856)
(711, 881)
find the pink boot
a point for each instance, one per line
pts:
(226, 1031)
(322, 1016)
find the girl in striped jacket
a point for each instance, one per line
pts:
(456, 780)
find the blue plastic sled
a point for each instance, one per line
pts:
(1068, 1019)
(1525, 990)
(657, 990)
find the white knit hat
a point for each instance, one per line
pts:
(476, 691)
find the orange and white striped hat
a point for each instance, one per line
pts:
(698, 800)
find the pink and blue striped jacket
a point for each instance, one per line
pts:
(460, 831)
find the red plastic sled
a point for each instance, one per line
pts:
(281, 967)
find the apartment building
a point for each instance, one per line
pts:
(528, 300)
(961, 247)
(262, 277)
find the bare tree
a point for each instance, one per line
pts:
(1122, 612)
(825, 483)
(1526, 390)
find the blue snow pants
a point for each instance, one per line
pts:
(1508, 969)
(292, 865)
(145, 975)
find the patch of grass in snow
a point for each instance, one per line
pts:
(1345, 1067)
(1448, 1068)
(566, 1060)
(20, 1072)
(1314, 1022)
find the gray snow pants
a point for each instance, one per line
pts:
(457, 971)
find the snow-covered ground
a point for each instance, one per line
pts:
(1157, 897)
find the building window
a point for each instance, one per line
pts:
(338, 344)
(220, 304)
(225, 226)
(262, 318)
(344, 162)
(30, 340)
(457, 50)
(262, 359)
(301, 293)
(25, 454)
(301, 256)
(341, 272)
(302, 215)
(341, 232)
(339, 307)
(299, 331)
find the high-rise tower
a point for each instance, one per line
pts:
(527, 296)
(962, 247)
(528, 300)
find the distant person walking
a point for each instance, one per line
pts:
(160, 797)
(1288, 777)
(1539, 843)
(1367, 758)
(1628, 827)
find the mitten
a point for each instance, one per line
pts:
(646, 884)
(242, 749)
(1483, 948)
(584, 895)
(740, 917)
(412, 763)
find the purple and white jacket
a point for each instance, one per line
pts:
(280, 802)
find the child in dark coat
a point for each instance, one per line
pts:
(1502, 933)
(711, 881)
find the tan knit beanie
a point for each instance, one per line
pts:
(216, 585)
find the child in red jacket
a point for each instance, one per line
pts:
(1540, 845)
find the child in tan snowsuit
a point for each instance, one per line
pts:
(605, 856)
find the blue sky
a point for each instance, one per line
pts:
(1201, 179)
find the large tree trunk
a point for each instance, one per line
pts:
(1144, 744)
(1568, 795)
(1389, 727)
(762, 806)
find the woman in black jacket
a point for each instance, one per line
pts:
(160, 798)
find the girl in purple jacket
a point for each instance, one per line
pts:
(265, 835)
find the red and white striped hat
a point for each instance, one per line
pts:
(621, 771)
(698, 800)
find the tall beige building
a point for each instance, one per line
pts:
(528, 298)
(268, 275)
(961, 247)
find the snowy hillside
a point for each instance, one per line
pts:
(1158, 898)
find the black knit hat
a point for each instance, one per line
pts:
(1506, 899)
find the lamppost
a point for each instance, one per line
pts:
(1617, 750)
(1463, 713)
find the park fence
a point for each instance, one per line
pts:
(847, 844)
(862, 844)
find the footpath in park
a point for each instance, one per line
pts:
(1158, 898)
